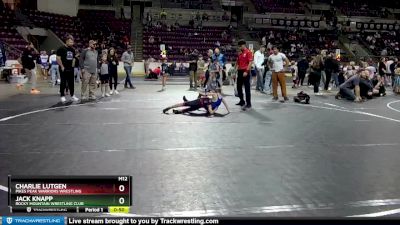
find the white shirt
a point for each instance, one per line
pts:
(44, 59)
(264, 40)
(277, 61)
(53, 59)
(259, 59)
(372, 71)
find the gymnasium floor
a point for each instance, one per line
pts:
(328, 159)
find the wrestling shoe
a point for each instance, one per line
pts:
(184, 99)
(175, 111)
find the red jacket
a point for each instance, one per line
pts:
(244, 59)
(157, 71)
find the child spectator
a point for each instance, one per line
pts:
(104, 77)
(164, 73)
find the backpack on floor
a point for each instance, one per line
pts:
(302, 97)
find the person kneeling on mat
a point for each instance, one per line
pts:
(350, 89)
(209, 101)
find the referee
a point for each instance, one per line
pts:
(244, 61)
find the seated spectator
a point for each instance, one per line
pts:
(384, 52)
(177, 25)
(205, 16)
(198, 16)
(163, 14)
(230, 27)
(199, 27)
(151, 39)
(125, 40)
(191, 23)
(225, 17)
(148, 18)
(224, 35)
(378, 86)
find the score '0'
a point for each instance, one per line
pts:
(121, 188)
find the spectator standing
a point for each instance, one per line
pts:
(3, 57)
(244, 62)
(128, 59)
(396, 81)
(382, 69)
(44, 64)
(302, 67)
(65, 58)
(164, 73)
(317, 66)
(220, 58)
(113, 62)
(193, 57)
(389, 71)
(329, 69)
(104, 76)
(28, 63)
(89, 65)
(54, 68)
(277, 61)
(267, 77)
(259, 58)
(232, 74)
(77, 66)
(201, 66)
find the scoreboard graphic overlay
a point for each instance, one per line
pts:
(77, 194)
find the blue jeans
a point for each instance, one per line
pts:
(260, 79)
(77, 74)
(55, 73)
(335, 77)
(347, 93)
(128, 71)
(267, 82)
